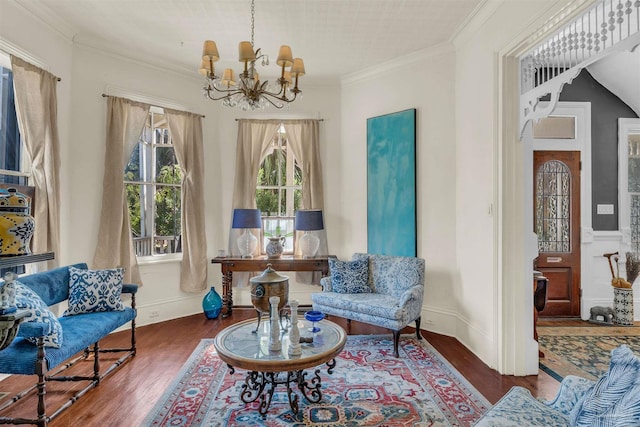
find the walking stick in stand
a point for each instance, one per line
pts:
(616, 281)
(608, 256)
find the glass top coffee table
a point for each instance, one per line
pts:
(240, 347)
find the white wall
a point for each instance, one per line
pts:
(478, 178)
(424, 82)
(87, 74)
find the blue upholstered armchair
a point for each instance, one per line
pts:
(381, 290)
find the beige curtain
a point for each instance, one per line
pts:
(254, 137)
(125, 122)
(304, 140)
(36, 108)
(186, 133)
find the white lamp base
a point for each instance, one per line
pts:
(309, 244)
(247, 244)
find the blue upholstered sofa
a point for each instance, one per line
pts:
(612, 401)
(80, 336)
(392, 300)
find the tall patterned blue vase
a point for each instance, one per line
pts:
(212, 304)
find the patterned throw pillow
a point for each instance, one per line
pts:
(38, 311)
(94, 290)
(613, 399)
(349, 277)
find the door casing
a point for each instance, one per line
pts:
(582, 143)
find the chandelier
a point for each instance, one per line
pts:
(248, 92)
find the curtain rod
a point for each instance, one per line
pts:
(320, 120)
(104, 95)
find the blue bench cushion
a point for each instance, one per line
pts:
(80, 332)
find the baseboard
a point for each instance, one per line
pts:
(450, 323)
(163, 310)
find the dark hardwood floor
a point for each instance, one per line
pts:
(125, 397)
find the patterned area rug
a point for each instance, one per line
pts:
(368, 387)
(583, 351)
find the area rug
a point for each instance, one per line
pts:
(368, 387)
(583, 351)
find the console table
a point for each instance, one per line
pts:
(284, 263)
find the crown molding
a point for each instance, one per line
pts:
(474, 21)
(399, 62)
(12, 49)
(122, 92)
(483, 10)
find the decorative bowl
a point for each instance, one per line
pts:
(314, 316)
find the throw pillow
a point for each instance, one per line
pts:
(37, 311)
(349, 277)
(94, 290)
(613, 399)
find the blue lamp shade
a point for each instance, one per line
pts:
(246, 218)
(309, 220)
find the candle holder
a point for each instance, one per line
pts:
(274, 333)
(294, 332)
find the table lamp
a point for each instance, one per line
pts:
(309, 220)
(247, 218)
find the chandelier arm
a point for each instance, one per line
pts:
(228, 93)
(267, 97)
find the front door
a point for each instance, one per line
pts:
(556, 221)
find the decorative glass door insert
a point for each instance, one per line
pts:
(553, 197)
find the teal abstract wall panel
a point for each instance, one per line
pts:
(391, 184)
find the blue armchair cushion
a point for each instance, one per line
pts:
(349, 277)
(93, 291)
(45, 323)
(614, 400)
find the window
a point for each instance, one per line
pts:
(633, 188)
(279, 191)
(153, 183)
(629, 182)
(12, 162)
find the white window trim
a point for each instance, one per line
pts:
(625, 128)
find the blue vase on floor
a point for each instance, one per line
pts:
(212, 304)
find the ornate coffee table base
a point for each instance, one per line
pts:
(255, 384)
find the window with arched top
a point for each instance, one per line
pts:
(279, 190)
(553, 196)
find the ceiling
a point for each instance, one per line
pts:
(620, 73)
(334, 37)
